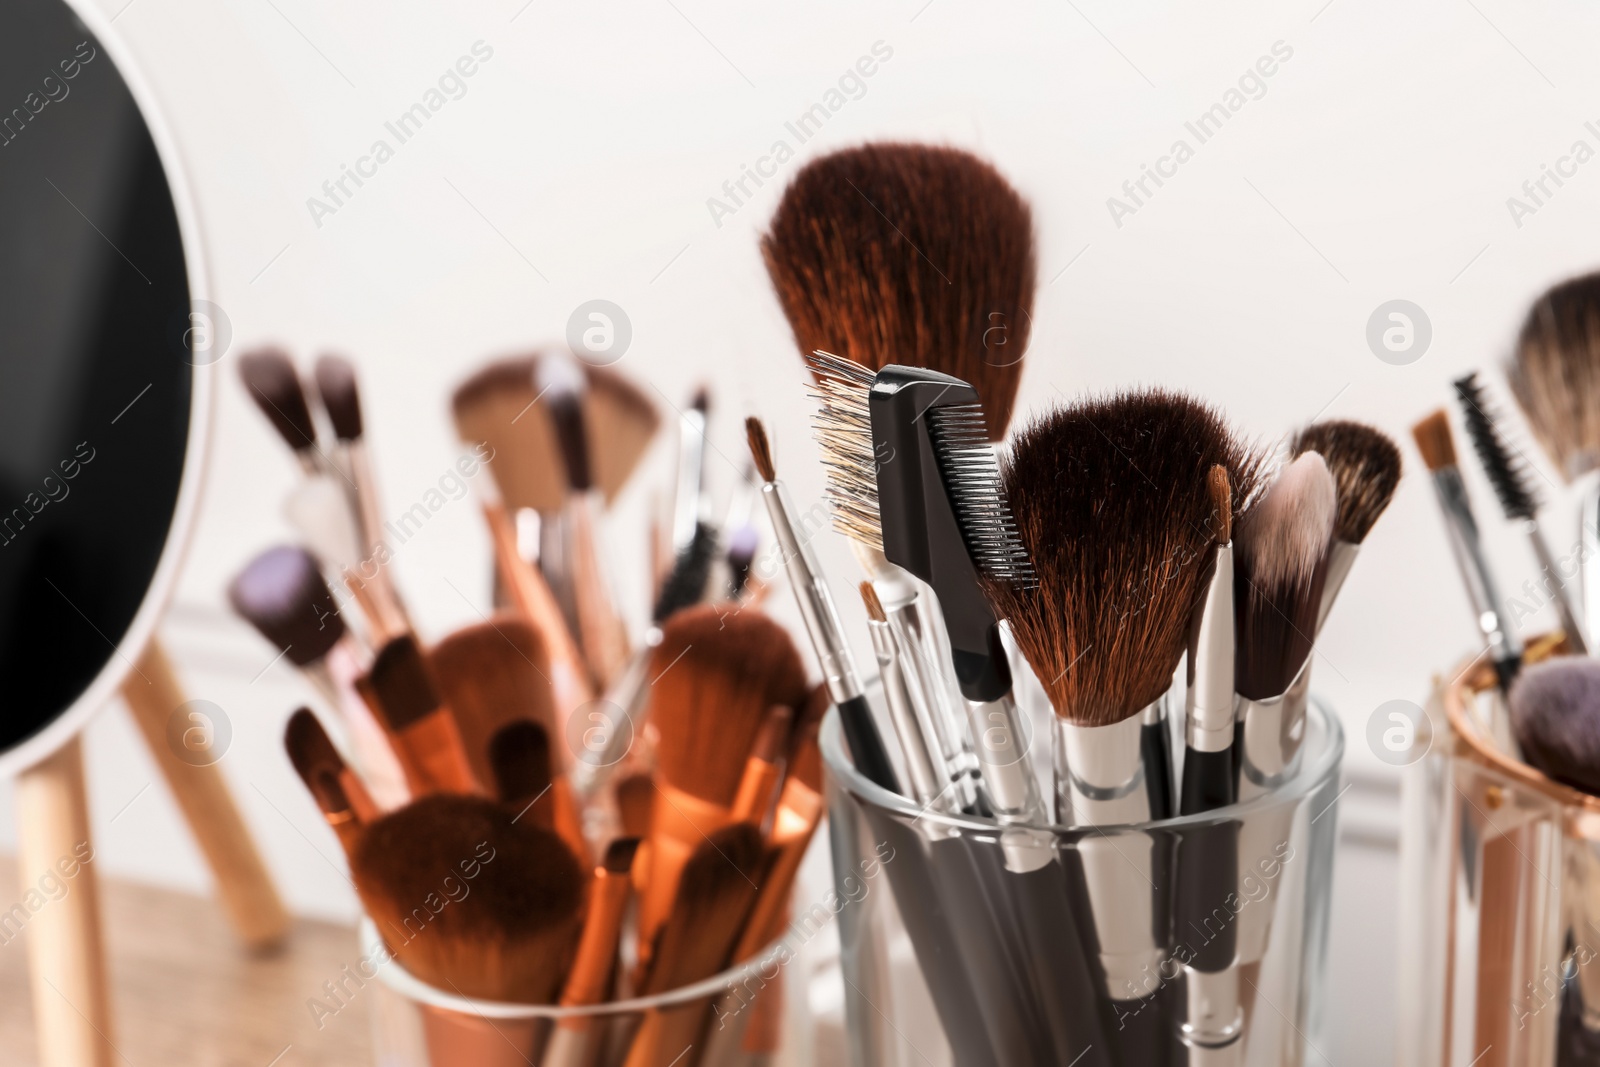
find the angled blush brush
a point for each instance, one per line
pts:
(341, 399)
(282, 594)
(821, 617)
(1509, 476)
(402, 693)
(602, 636)
(1555, 376)
(338, 790)
(1438, 450)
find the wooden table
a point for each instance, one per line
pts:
(185, 994)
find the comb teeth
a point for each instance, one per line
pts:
(1507, 472)
(842, 425)
(972, 478)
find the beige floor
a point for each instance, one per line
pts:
(184, 993)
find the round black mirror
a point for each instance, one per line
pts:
(105, 349)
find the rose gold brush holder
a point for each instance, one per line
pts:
(1500, 893)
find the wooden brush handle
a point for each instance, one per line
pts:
(538, 606)
(152, 693)
(66, 954)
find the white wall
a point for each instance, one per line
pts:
(579, 163)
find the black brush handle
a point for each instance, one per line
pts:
(1155, 748)
(1208, 781)
(866, 743)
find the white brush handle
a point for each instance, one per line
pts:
(66, 953)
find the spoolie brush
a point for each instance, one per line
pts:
(1509, 475)
(909, 254)
(1438, 450)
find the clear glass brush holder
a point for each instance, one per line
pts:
(1500, 893)
(748, 1019)
(1198, 940)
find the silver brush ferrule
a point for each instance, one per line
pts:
(1467, 546)
(1273, 730)
(1100, 773)
(1208, 711)
(1002, 749)
(812, 595)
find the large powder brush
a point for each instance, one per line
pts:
(909, 254)
(1110, 498)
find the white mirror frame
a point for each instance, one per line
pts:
(119, 665)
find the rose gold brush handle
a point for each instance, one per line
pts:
(153, 693)
(458, 1040)
(66, 954)
(603, 633)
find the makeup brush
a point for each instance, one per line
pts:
(1208, 761)
(1438, 450)
(715, 678)
(821, 617)
(800, 809)
(843, 428)
(338, 790)
(282, 594)
(1555, 376)
(689, 503)
(1280, 559)
(422, 730)
(519, 757)
(272, 382)
(741, 539)
(709, 909)
(491, 674)
(601, 632)
(510, 898)
(1555, 714)
(493, 407)
(685, 586)
(930, 779)
(341, 399)
(594, 968)
(909, 254)
(635, 796)
(1509, 476)
(763, 769)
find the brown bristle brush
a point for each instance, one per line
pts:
(1555, 376)
(273, 383)
(1114, 501)
(519, 758)
(715, 678)
(490, 674)
(338, 790)
(1366, 467)
(422, 729)
(470, 901)
(912, 254)
(710, 908)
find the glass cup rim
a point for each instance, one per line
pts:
(393, 975)
(1314, 767)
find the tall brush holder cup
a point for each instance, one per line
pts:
(953, 955)
(1500, 893)
(749, 1018)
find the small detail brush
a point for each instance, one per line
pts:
(930, 779)
(1509, 476)
(821, 617)
(1438, 450)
